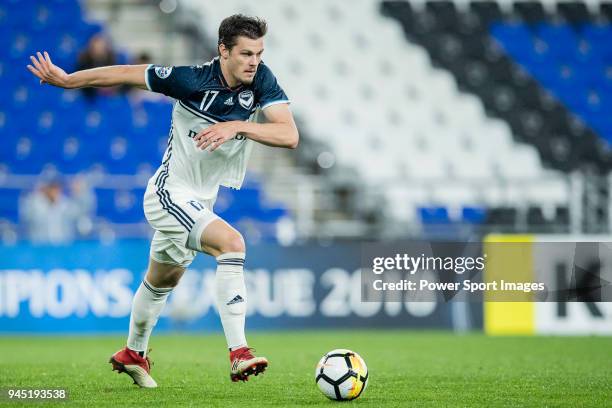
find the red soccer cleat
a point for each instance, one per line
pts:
(130, 362)
(244, 363)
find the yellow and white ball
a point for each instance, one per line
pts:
(341, 375)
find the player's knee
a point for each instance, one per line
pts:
(220, 238)
(172, 280)
(233, 243)
(171, 277)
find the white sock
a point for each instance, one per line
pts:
(231, 297)
(147, 305)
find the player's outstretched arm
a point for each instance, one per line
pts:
(279, 131)
(114, 75)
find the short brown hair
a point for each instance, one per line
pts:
(238, 25)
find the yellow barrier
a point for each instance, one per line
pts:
(502, 262)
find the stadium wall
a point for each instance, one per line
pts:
(87, 288)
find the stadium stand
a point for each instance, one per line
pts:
(541, 68)
(119, 142)
(400, 121)
(514, 61)
(476, 123)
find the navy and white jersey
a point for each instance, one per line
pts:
(203, 98)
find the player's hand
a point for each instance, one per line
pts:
(48, 73)
(215, 135)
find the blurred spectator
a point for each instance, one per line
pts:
(98, 53)
(52, 217)
(137, 95)
(143, 58)
(85, 204)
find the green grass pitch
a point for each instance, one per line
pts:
(407, 368)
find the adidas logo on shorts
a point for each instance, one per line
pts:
(235, 300)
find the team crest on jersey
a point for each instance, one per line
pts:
(246, 99)
(163, 72)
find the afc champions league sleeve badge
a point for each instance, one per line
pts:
(246, 99)
(163, 72)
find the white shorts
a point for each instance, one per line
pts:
(179, 218)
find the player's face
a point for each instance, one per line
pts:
(243, 59)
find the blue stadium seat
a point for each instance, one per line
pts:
(5, 39)
(120, 206)
(436, 223)
(247, 198)
(47, 126)
(95, 125)
(117, 108)
(598, 36)
(473, 215)
(231, 215)
(115, 156)
(20, 14)
(73, 155)
(514, 37)
(246, 203)
(225, 200)
(22, 45)
(24, 156)
(10, 124)
(560, 39)
(9, 204)
(434, 215)
(71, 8)
(4, 16)
(270, 214)
(72, 110)
(66, 47)
(85, 30)
(46, 18)
(158, 116)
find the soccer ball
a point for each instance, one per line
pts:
(342, 375)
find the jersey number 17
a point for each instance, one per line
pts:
(204, 106)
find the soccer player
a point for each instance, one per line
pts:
(209, 145)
